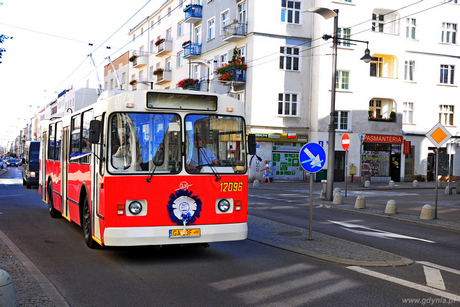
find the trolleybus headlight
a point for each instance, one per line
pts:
(223, 205)
(135, 207)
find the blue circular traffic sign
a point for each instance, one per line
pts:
(312, 157)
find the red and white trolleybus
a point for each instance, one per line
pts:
(149, 168)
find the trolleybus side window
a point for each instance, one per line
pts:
(57, 151)
(75, 136)
(51, 142)
(85, 145)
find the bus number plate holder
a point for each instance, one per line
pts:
(179, 233)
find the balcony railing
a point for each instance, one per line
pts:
(235, 31)
(140, 61)
(165, 76)
(237, 76)
(193, 13)
(164, 48)
(192, 50)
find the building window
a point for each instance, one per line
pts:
(290, 11)
(408, 112)
(376, 106)
(159, 20)
(151, 70)
(168, 65)
(198, 35)
(169, 11)
(152, 24)
(224, 18)
(409, 70)
(289, 58)
(385, 21)
(376, 67)
(242, 12)
(211, 29)
(196, 72)
(342, 120)
(180, 28)
(449, 33)
(447, 74)
(287, 104)
(382, 109)
(169, 35)
(141, 51)
(152, 46)
(446, 115)
(410, 28)
(180, 59)
(342, 80)
(223, 59)
(343, 33)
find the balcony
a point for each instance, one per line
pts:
(140, 85)
(140, 61)
(164, 48)
(233, 76)
(235, 31)
(191, 50)
(193, 13)
(163, 77)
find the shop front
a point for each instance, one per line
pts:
(381, 158)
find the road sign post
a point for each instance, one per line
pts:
(438, 135)
(345, 146)
(312, 158)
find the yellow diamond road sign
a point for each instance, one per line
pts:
(438, 135)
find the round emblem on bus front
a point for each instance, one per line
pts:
(184, 207)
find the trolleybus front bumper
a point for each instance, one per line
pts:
(161, 235)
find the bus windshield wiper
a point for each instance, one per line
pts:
(157, 160)
(210, 164)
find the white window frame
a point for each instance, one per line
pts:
(446, 114)
(168, 36)
(289, 58)
(411, 28)
(447, 74)
(286, 100)
(344, 33)
(180, 58)
(211, 28)
(151, 70)
(409, 70)
(223, 59)
(408, 112)
(449, 33)
(341, 116)
(224, 21)
(180, 28)
(196, 71)
(197, 35)
(294, 11)
(242, 12)
(152, 46)
(168, 64)
(342, 80)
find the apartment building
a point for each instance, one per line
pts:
(254, 50)
(388, 106)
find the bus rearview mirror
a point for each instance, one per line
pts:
(94, 131)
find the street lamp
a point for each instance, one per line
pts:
(328, 13)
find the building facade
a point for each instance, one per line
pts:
(257, 52)
(407, 88)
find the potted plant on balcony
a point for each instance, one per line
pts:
(191, 5)
(233, 69)
(188, 83)
(133, 82)
(186, 43)
(158, 71)
(159, 41)
(133, 58)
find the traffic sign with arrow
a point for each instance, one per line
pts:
(312, 157)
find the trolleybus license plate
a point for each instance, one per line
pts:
(179, 233)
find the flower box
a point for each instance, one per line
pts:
(158, 71)
(160, 41)
(188, 83)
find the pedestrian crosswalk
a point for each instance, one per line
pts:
(10, 181)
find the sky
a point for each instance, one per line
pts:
(48, 50)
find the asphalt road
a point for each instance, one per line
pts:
(244, 273)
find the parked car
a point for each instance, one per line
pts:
(12, 162)
(30, 165)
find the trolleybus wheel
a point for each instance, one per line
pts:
(86, 225)
(53, 212)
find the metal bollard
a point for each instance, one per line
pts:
(7, 293)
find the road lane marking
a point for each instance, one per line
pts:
(434, 278)
(405, 283)
(375, 232)
(10, 181)
(437, 266)
(277, 199)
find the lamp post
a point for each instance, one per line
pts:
(328, 13)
